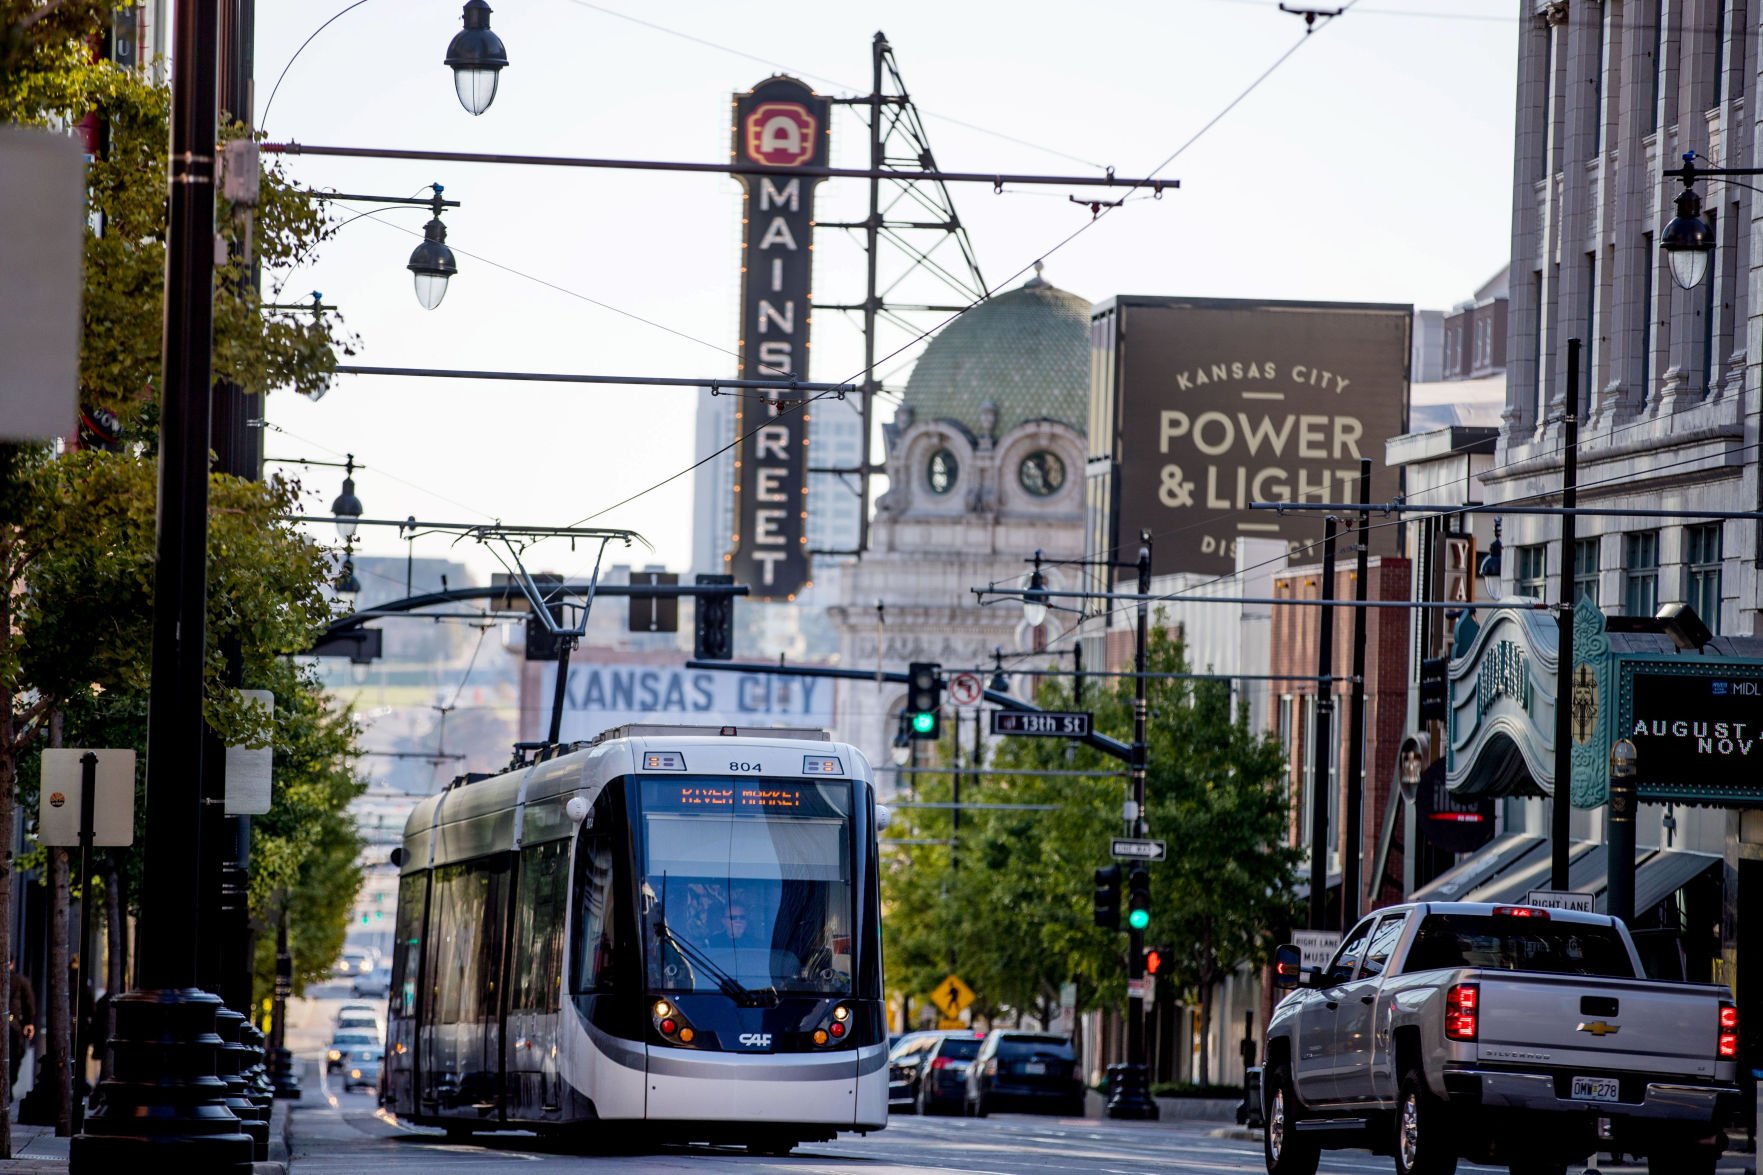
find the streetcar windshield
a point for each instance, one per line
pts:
(746, 885)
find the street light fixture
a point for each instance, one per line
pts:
(477, 59)
(1000, 683)
(432, 262)
(1034, 600)
(1688, 241)
(347, 508)
(1489, 568)
(348, 587)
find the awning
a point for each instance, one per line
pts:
(1500, 854)
(1666, 872)
(1511, 866)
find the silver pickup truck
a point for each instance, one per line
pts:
(1497, 1034)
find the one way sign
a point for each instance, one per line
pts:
(1140, 850)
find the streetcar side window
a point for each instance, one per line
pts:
(595, 923)
(538, 941)
(407, 955)
(467, 942)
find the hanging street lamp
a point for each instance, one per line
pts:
(477, 59)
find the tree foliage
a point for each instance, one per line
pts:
(77, 530)
(1014, 918)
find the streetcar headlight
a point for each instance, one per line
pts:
(663, 1008)
(841, 1013)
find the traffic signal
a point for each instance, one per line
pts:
(924, 699)
(1108, 897)
(1156, 960)
(1138, 899)
(1433, 673)
(714, 639)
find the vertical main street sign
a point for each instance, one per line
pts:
(781, 126)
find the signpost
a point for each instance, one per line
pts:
(1560, 899)
(1139, 850)
(952, 997)
(1316, 946)
(965, 690)
(1050, 723)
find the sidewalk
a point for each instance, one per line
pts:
(36, 1150)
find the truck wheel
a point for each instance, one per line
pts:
(1422, 1144)
(1287, 1152)
(1698, 1161)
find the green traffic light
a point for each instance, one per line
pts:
(923, 721)
(1139, 919)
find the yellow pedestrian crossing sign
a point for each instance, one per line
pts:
(952, 996)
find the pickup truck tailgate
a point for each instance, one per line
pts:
(1597, 1024)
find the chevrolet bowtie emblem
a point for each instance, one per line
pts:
(1600, 1027)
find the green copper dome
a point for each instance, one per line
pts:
(1025, 351)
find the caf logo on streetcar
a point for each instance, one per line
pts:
(781, 134)
(756, 1040)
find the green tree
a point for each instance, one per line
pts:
(1018, 912)
(77, 532)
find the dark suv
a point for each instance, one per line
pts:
(1025, 1071)
(942, 1075)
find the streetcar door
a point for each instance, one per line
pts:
(399, 1080)
(460, 1053)
(535, 983)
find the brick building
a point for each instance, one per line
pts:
(1294, 640)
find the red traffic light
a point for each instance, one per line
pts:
(1153, 960)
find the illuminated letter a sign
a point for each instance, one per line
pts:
(779, 126)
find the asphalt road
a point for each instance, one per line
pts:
(346, 1134)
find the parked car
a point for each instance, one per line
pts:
(345, 1042)
(904, 1059)
(1024, 1071)
(1498, 1034)
(942, 1075)
(362, 1067)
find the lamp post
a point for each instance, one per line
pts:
(1130, 1087)
(1619, 898)
(163, 1105)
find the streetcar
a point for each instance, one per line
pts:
(670, 928)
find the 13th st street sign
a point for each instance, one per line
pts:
(1052, 723)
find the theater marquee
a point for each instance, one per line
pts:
(1207, 405)
(779, 125)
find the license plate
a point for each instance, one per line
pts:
(1035, 1068)
(1596, 1089)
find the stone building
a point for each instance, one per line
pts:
(985, 462)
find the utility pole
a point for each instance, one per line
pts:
(163, 1105)
(1130, 1096)
(1351, 886)
(1561, 806)
(1321, 744)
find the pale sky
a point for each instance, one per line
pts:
(1373, 163)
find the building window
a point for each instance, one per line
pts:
(941, 471)
(1701, 572)
(1640, 573)
(1585, 571)
(1530, 571)
(1041, 473)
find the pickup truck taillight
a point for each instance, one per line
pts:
(1462, 1004)
(1729, 1031)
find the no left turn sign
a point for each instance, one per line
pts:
(965, 690)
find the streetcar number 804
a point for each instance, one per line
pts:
(734, 766)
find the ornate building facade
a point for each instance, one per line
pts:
(985, 467)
